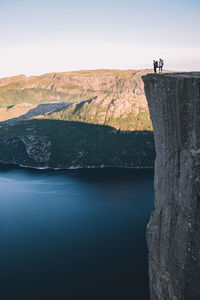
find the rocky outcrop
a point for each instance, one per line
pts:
(173, 233)
(37, 147)
(30, 149)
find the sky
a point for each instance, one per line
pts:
(41, 36)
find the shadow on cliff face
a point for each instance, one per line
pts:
(65, 144)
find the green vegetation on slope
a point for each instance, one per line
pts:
(63, 144)
(69, 86)
(35, 96)
(111, 128)
(122, 113)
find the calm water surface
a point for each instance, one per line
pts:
(76, 234)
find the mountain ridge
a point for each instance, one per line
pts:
(69, 86)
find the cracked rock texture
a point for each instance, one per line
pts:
(173, 233)
(37, 147)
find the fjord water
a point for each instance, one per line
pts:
(75, 234)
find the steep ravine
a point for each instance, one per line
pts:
(173, 233)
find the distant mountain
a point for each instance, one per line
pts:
(106, 124)
(69, 86)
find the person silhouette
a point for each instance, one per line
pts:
(160, 65)
(155, 65)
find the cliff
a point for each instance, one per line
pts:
(173, 233)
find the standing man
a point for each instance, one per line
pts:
(155, 65)
(161, 64)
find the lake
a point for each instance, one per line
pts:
(74, 234)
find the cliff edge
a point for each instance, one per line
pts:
(173, 233)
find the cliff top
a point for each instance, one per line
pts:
(175, 74)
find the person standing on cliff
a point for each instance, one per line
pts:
(160, 65)
(155, 65)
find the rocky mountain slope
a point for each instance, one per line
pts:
(69, 86)
(111, 127)
(122, 112)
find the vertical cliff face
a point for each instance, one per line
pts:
(173, 233)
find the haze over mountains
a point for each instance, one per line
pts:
(76, 119)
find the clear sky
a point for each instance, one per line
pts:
(40, 36)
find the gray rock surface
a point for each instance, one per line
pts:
(173, 233)
(38, 148)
